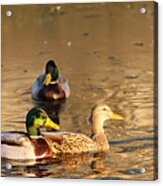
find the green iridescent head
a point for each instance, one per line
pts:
(37, 118)
(51, 72)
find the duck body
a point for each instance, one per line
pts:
(50, 85)
(17, 145)
(74, 143)
(56, 91)
(31, 145)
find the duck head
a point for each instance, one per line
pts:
(37, 118)
(51, 72)
(101, 113)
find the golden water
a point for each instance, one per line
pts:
(106, 52)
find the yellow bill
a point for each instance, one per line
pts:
(47, 79)
(50, 124)
(116, 117)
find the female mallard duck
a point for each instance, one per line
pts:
(50, 85)
(30, 145)
(68, 142)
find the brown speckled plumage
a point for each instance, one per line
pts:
(72, 143)
(68, 142)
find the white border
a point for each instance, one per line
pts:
(62, 182)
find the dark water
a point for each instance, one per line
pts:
(106, 52)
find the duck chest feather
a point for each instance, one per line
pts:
(41, 148)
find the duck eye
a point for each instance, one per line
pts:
(104, 109)
(43, 117)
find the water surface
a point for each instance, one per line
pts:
(106, 52)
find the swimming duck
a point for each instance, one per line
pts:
(30, 145)
(50, 85)
(68, 142)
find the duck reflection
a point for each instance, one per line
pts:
(69, 164)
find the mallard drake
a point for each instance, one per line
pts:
(68, 142)
(50, 85)
(30, 145)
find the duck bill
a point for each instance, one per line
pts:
(50, 124)
(47, 79)
(117, 117)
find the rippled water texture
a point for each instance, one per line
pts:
(106, 51)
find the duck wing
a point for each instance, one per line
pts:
(70, 143)
(17, 146)
(38, 85)
(53, 136)
(15, 139)
(65, 85)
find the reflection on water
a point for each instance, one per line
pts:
(106, 53)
